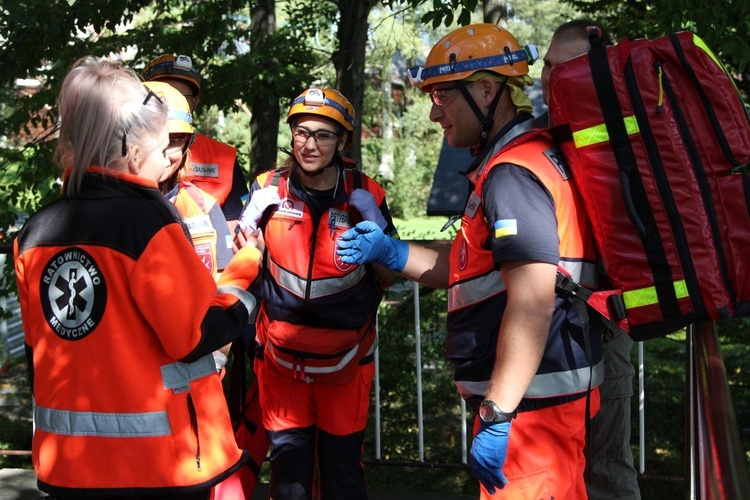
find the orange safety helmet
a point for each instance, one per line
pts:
(180, 118)
(472, 48)
(168, 66)
(329, 103)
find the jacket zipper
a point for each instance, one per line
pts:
(308, 281)
(194, 427)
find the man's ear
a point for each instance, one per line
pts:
(488, 88)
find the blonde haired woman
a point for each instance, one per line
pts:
(119, 314)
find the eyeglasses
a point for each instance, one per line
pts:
(322, 136)
(444, 96)
(178, 142)
(125, 132)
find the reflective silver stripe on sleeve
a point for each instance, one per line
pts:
(544, 385)
(318, 288)
(475, 290)
(482, 287)
(585, 273)
(86, 423)
(247, 298)
(177, 376)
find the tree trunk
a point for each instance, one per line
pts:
(349, 61)
(264, 122)
(495, 12)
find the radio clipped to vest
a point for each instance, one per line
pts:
(658, 142)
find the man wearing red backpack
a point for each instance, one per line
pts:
(610, 473)
(522, 353)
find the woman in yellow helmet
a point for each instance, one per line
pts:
(316, 331)
(201, 214)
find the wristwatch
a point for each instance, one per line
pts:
(490, 412)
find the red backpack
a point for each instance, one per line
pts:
(657, 139)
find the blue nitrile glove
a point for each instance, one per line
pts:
(260, 201)
(488, 454)
(364, 201)
(366, 242)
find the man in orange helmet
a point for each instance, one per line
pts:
(214, 164)
(523, 357)
(316, 328)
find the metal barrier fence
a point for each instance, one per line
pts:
(715, 465)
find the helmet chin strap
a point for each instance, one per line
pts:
(486, 120)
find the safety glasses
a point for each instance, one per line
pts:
(322, 137)
(444, 96)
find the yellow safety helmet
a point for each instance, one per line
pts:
(472, 48)
(180, 118)
(168, 66)
(329, 103)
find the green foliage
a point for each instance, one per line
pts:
(415, 148)
(534, 21)
(444, 12)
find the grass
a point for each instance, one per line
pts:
(425, 228)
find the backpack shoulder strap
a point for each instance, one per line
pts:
(196, 195)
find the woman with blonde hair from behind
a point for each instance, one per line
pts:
(128, 403)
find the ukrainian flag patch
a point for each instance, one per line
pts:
(505, 227)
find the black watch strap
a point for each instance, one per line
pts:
(491, 413)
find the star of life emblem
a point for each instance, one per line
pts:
(463, 255)
(73, 293)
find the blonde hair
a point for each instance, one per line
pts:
(104, 108)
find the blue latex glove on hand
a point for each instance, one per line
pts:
(260, 201)
(364, 201)
(366, 243)
(488, 454)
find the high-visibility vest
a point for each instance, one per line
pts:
(474, 281)
(194, 205)
(317, 319)
(212, 165)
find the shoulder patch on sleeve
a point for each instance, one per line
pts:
(505, 227)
